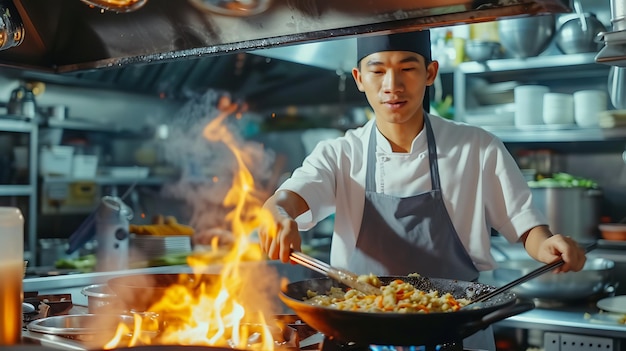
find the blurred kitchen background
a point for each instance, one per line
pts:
(70, 138)
(96, 103)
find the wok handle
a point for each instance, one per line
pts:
(496, 316)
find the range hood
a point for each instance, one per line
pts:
(69, 35)
(177, 49)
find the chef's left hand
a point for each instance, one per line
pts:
(560, 246)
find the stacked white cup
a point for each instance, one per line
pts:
(558, 108)
(587, 105)
(529, 104)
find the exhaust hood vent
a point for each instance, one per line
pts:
(69, 35)
(614, 51)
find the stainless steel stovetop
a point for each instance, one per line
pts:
(296, 334)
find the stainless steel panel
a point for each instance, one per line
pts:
(67, 35)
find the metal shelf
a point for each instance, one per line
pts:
(106, 180)
(14, 123)
(561, 73)
(90, 126)
(16, 190)
(10, 124)
(21, 124)
(562, 63)
(553, 134)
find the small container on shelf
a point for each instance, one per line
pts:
(56, 161)
(84, 166)
(127, 172)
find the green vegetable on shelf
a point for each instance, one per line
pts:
(172, 259)
(564, 180)
(85, 263)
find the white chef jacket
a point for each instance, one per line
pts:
(481, 184)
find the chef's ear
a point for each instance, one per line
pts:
(431, 72)
(356, 74)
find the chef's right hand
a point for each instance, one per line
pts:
(279, 238)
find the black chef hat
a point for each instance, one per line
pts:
(417, 42)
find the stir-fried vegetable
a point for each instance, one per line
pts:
(397, 296)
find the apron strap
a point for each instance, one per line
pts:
(432, 154)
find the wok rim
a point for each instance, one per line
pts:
(286, 298)
(393, 328)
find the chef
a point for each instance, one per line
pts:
(411, 192)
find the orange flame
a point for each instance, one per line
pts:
(218, 311)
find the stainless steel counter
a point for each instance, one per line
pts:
(74, 283)
(582, 319)
(566, 320)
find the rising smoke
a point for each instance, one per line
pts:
(208, 167)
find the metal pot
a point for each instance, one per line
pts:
(618, 14)
(389, 328)
(482, 50)
(570, 211)
(595, 278)
(101, 299)
(578, 34)
(22, 103)
(139, 291)
(617, 86)
(90, 328)
(526, 36)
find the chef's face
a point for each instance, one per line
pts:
(394, 83)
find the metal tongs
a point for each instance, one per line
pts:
(535, 273)
(341, 275)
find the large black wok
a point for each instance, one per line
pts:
(389, 328)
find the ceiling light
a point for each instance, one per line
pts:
(240, 8)
(117, 5)
(11, 26)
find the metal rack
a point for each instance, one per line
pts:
(15, 124)
(562, 73)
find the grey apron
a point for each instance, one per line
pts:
(414, 234)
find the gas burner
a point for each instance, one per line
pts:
(310, 339)
(45, 306)
(330, 345)
(297, 336)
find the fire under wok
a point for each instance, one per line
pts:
(391, 328)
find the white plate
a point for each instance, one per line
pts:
(615, 304)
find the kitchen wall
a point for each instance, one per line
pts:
(609, 169)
